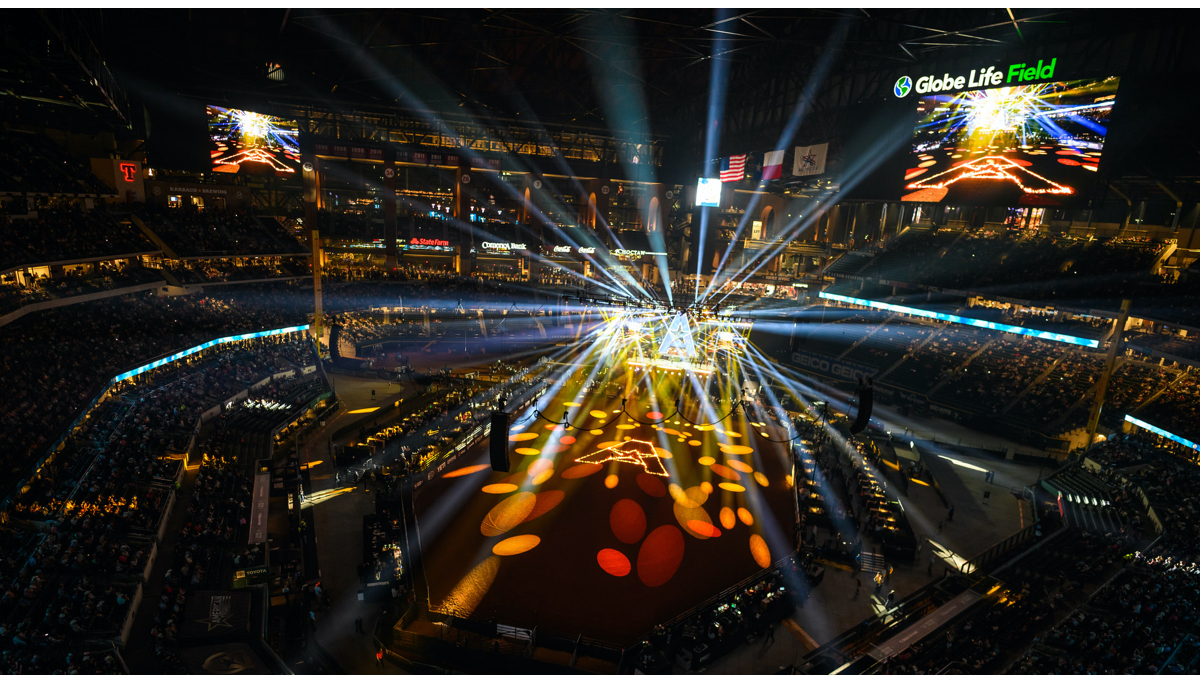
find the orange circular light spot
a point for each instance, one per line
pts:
(694, 443)
(539, 465)
(614, 562)
(499, 488)
(663, 452)
(707, 461)
(725, 472)
(571, 404)
(1068, 162)
(516, 545)
(551, 427)
(732, 487)
(546, 500)
(628, 521)
(610, 481)
(761, 479)
(608, 444)
(508, 514)
(598, 414)
(758, 549)
(735, 449)
(626, 426)
(596, 432)
(628, 438)
(523, 436)
(745, 516)
(740, 465)
(654, 415)
(732, 434)
(542, 476)
(728, 519)
(467, 470)
(707, 487)
(704, 427)
(926, 165)
(697, 494)
(913, 173)
(527, 451)
(581, 470)
(706, 529)
(660, 555)
(673, 432)
(651, 485)
(567, 440)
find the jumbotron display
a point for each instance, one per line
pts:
(1030, 145)
(252, 143)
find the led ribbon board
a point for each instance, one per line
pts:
(199, 348)
(978, 323)
(1163, 432)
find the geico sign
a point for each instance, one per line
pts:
(820, 365)
(989, 77)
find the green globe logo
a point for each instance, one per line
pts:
(903, 86)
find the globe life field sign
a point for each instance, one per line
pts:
(980, 77)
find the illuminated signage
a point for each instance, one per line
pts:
(129, 171)
(502, 246)
(428, 242)
(978, 77)
(1162, 432)
(708, 192)
(633, 253)
(199, 348)
(586, 250)
(978, 323)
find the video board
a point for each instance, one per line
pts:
(1028, 145)
(247, 142)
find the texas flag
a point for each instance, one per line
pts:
(773, 165)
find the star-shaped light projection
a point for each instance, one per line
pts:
(629, 452)
(993, 167)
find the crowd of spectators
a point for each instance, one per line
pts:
(238, 269)
(32, 163)
(222, 232)
(995, 377)
(1175, 410)
(57, 360)
(68, 232)
(1051, 399)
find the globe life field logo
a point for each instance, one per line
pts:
(1016, 73)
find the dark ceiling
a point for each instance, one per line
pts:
(596, 67)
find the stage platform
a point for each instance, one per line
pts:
(616, 524)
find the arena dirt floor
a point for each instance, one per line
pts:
(621, 521)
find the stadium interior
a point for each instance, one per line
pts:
(773, 341)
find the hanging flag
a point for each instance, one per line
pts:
(810, 160)
(773, 165)
(733, 168)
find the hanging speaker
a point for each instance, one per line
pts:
(499, 441)
(866, 400)
(335, 331)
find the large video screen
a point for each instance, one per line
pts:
(1031, 145)
(251, 143)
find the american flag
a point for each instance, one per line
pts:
(733, 168)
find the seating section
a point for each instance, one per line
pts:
(31, 163)
(68, 233)
(191, 232)
(995, 377)
(1175, 410)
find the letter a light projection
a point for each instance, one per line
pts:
(678, 340)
